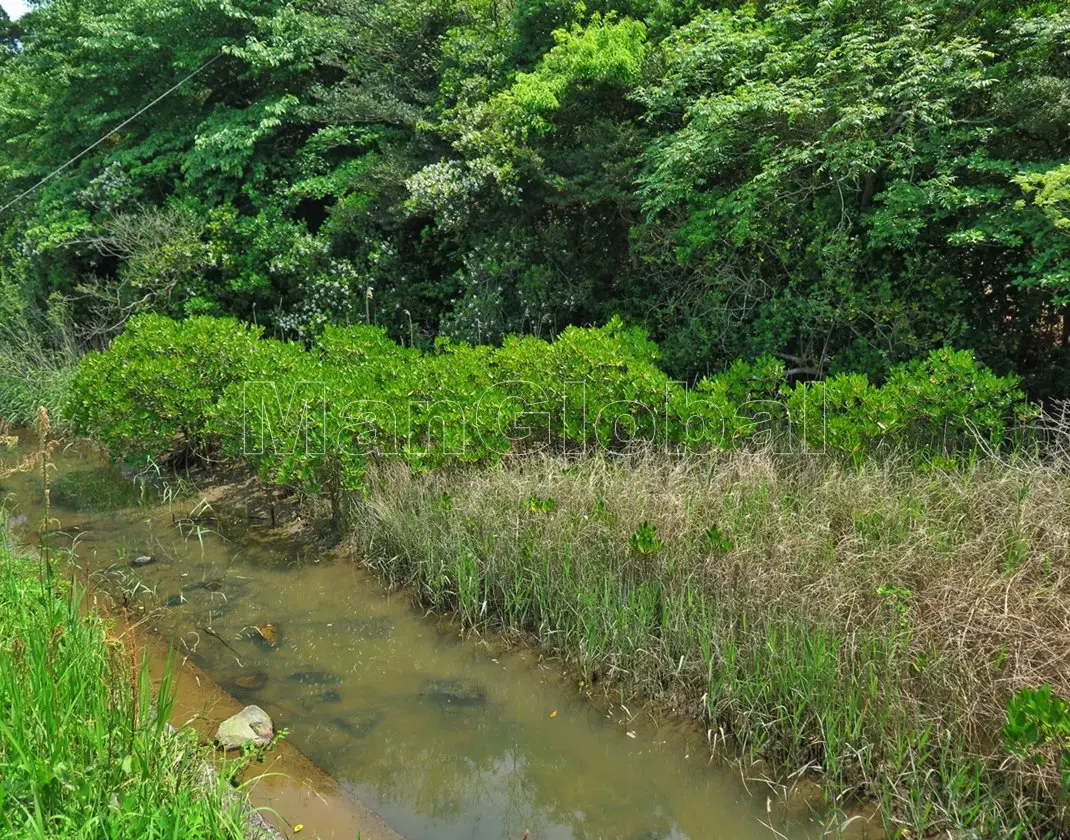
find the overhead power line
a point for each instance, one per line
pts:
(117, 128)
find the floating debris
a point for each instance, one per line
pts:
(267, 635)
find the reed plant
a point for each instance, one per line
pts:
(85, 750)
(38, 358)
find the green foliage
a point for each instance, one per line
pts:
(645, 540)
(756, 383)
(312, 419)
(845, 413)
(844, 186)
(718, 539)
(605, 51)
(842, 177)
(898, 599)
(542, 504)
(1037, 719)
(150, 394)
(1050, 191)
(595, 386)
(945, 403)
(947, 400)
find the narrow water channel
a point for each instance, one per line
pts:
(446, 739)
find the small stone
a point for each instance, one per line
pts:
(142, 560)
(250, 726)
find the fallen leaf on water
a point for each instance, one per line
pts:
(553, 714)
(631, 734)
(298, 827)
(269, 633)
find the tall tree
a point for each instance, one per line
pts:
(843, 183)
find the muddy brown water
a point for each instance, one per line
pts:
(442, 737)
(289, 789)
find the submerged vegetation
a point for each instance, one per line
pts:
(85, 749)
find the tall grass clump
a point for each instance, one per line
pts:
(38, 358)
(865, 624)
(85, 750)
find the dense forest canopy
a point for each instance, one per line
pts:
(845, 184)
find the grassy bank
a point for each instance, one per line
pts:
(866, 625)
(84, 747)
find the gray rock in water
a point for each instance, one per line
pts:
(250, 726)
(142, 560)
(455, 692)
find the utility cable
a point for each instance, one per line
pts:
(121, 125)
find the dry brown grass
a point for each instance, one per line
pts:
(868, 622)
